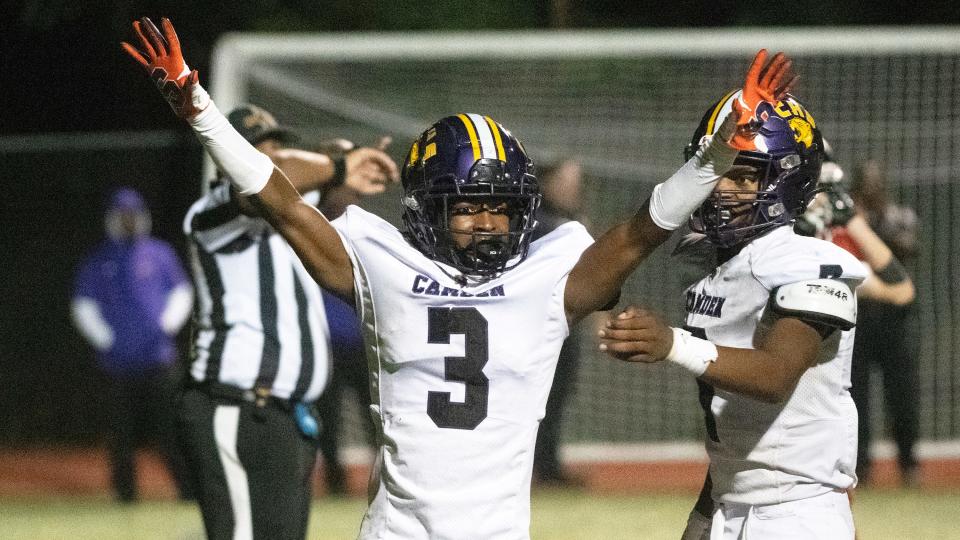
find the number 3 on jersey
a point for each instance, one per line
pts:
(467, 369)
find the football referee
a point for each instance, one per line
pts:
(261, 345)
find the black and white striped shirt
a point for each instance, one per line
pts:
(260, 321)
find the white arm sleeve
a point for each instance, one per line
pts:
(248, 168)
(91, 324)
(179, 303)
(673, 201)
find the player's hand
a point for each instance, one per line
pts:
(841, 203)
(636, 335)
(369, 170)
(815, 220)
(767, 82)
(161, 57)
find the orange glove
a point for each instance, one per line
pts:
(766, 82)
(164, 63)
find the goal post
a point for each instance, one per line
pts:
(624, 103)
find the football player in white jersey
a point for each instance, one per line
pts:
(769, 336)
(463, 316)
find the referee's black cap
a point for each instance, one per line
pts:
(256, 125)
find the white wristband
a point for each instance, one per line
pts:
(691, 353)
(248, 168)
(674, 200)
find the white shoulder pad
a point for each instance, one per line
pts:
(827, 301)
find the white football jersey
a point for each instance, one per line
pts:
(459, 378)
(762, 453)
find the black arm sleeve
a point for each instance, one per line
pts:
(892, 273)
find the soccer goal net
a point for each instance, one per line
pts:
(624, 104)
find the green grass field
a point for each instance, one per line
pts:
(880, 515)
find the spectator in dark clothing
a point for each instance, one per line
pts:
(854, 221)
(131, 298)
(884, 341)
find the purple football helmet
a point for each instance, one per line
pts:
(469, 157)
(788, 156)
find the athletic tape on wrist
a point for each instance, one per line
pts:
(691, 353)
(247, 168)
(674, 200)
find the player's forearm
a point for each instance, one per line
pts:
(311, 236)
(673, 200)
(253, 174)
(770, 372)
(898, 294)
(603, 268)
(876, 252)
(307, 171)
(248, 169)
(752, 373)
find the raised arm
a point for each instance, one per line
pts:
(597, 278)
(364, 170)
(251, 172)
(888, 281)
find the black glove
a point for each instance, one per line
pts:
(841, 205)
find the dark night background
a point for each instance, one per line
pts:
(63, 72)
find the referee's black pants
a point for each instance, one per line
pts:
(253, 467)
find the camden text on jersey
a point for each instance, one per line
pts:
(424, 285)
(704, 304)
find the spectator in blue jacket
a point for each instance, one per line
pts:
(131, 297)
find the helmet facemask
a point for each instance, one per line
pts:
(730, 217)
(428, 209)
(485, 254)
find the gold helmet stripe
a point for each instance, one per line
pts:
(474, 142)
(716, 112)
(496, 138)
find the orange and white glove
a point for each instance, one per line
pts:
(248, 169)
(162, 59)
(766, 82)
